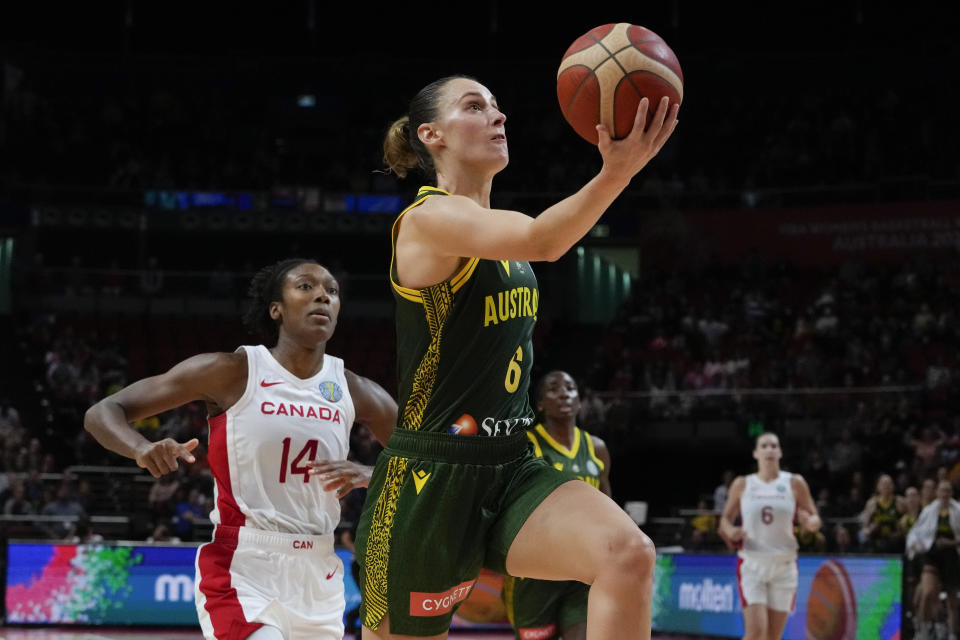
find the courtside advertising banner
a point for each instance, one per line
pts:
(842, 598)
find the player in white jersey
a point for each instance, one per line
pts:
(767, 502)
(277, 416)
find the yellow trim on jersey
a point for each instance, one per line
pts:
(593, 452)
(437, 303)
(456, 282)
(571, 452)
(536, 445)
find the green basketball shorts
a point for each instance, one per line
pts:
(439, 508)
(544, 609)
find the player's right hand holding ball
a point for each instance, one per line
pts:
(623, 159)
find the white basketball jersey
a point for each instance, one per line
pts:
(767, 510)
(259, 447)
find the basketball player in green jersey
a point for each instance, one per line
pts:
(458, 487)
(545, 609)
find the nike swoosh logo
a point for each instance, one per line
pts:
(264, 383)
(331, 574)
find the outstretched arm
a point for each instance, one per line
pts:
(211, 377)
(456, 226)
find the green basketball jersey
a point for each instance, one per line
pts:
(464, 346)
(580, 459)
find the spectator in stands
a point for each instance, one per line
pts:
(62, 505)
(879, 521)
(33, 487)
(928, 492)
(703, 528)
(845, 457)
(17, 504)
(824, 505)
(190, 507)
(841, 539)
(162, 492)
(9, 418)
(912, 507)
(81, 532)
(926, 450)
(161, 533)
(593, 410)
(722, 491)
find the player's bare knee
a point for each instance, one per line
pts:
(632, 552)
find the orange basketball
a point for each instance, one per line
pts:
(605, 73)
(484, 604)
(831, 604)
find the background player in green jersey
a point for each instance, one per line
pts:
(457, 487)
(546, 609)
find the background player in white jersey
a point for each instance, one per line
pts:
(767, 502)
(270, 571)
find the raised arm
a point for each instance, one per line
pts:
(456, 226)
(216, 378)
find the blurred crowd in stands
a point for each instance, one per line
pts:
(199, 126)
(684, 347)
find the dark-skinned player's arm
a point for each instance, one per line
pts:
(600, 448)
(376, 410)
(205, 377)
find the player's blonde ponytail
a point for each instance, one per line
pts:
(398, 154)
(402, 148)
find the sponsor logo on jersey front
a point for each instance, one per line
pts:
(424, 604)
(330, 391)
(505, 427)
(465, 425)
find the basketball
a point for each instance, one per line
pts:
(484, 604)
(606, 71)
(832, 604)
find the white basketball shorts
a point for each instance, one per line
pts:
(246, 578)
(770, 581)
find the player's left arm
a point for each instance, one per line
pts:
(600, 447)
(807, 513)
(374, 406)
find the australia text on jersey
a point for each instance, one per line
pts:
(518, 302)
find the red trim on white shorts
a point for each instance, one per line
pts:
(226, 613)
(743, 600)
